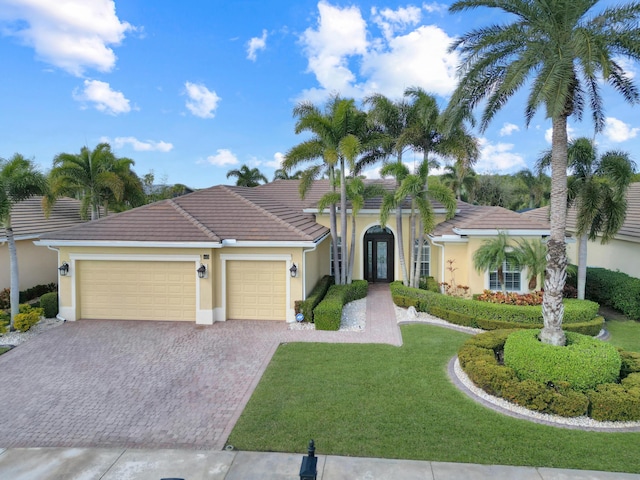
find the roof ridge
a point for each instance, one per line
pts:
(193, 219)
(267, 212)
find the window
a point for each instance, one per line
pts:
(511, 272)
(425, 258)
(339, 256)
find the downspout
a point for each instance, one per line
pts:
(304, 264)
(441, 263)
(57, 250)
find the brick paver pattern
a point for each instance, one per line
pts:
(100, 383)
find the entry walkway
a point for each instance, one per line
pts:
(120, 464)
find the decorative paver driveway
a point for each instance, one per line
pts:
(148, 384)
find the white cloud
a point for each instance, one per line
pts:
(202, 101)
(140, 146)
(73, 34)
(435, 7)
(508, 128)
(278, 157)
(255, 44)
(391, 21)
(627, 65)
(549, 133)
(498, 157)
(222, 158)
(403, 56)
(618, 131)
(104, 99)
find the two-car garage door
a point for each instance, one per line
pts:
(136, 290)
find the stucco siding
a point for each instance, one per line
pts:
(36, 265)
(617, 255)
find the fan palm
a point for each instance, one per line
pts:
(19, 180)
(247, 177)
(562, 49)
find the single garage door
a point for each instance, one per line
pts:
(123, 290)
(256, 290)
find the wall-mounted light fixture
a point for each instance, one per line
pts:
(293, 270)
(63, 269)
(202, 271)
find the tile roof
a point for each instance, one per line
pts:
(28, 219)
(209, 215)
(630, 227)
(477, 217)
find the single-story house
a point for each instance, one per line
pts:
(229, 252)
(36, 266)
(622, 253)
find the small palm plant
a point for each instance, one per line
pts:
(533, 255)
(492, 256)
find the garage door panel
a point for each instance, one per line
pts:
(256, 290)
(136, 290)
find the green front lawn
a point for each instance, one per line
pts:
(624, 334)
(4, 350)
(389, 402)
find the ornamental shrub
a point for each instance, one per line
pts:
(584, 363)
(49, 304)
(314, 298)
(328, 314)
(613, 402)
(27, 317)
(4, 321)
(630, 362)
(430, 284)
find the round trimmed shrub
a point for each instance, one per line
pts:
(584, 362)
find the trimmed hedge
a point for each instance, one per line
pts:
(430, 284)
(27, 317)
(49, 303)
(580, 316)
(307, 306)
(584, 362)
(328, 314)
(612, 289)
(479, 358)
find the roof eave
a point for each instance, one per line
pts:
(125, 243)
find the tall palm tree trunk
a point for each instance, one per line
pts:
(556, 273)
(343, 222)
(582, 264)
(14, 296)
(352, 251)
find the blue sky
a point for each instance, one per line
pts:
(192, 89)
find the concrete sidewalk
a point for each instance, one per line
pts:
(128, 464)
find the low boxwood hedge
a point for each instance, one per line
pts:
(314, 298)
(49, 303)
(580, 316)
(328, 314)
(480, 359)
(584, 362)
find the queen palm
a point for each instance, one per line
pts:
(339, 119)
(597, 189)
(533, 255)
(87, 176)
(247, 177)
(459, 178)
(561, 49)
(19, 180)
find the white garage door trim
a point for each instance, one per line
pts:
(291, 314)
(70, 313)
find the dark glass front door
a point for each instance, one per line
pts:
(378, 249)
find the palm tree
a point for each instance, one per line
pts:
(87, 176)
(597, 188)
(492, 255)
(460, 179)
(340, 119)
(534, 187)
(19, 180)
(247, 177)
(282, 174)
(132, 193)
(562, 49)
(533, 255)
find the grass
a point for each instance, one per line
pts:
(4, 350)
(624, 333)
(389, 402)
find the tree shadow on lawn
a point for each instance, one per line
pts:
(390, 402)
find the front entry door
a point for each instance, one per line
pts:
(378, 249)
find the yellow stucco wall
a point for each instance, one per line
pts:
(316, 265)
(617, 255)
(36, 265)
